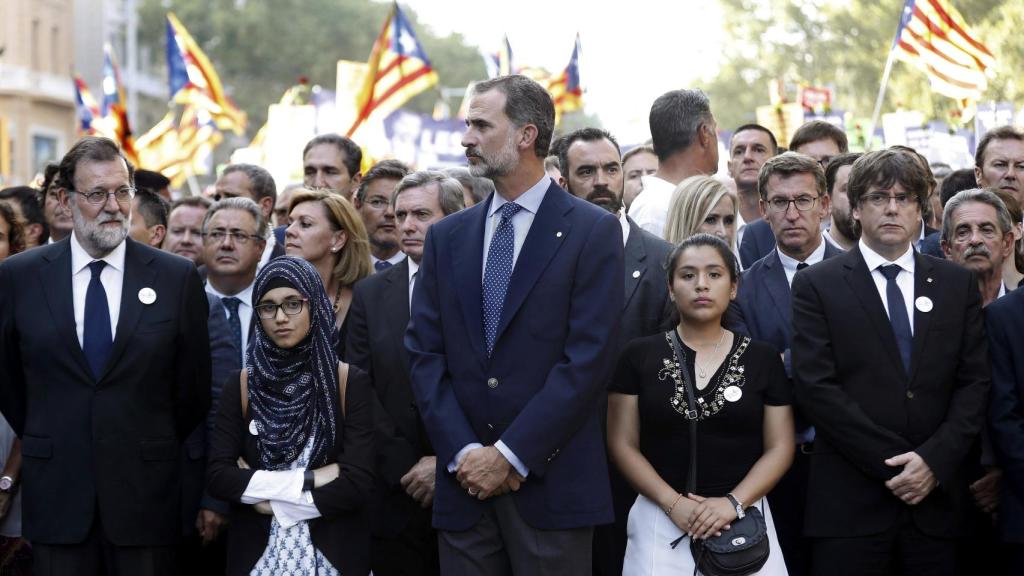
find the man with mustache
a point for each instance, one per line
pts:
(842, 231)
(999, 161)
(592, 170)
(105, 364)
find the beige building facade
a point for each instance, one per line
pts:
(37, 101)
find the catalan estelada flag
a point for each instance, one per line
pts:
(565, 88)
(85, 105)
(193, 81)
(934, 38)
(113, 121)
(398, 70)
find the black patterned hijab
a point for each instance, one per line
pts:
(293, 393)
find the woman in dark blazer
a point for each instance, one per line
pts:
(292, 448)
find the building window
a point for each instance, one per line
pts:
(44, 150)
(35, 46)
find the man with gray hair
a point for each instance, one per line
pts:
(234, 236)
(977, 234)
(403, 541)
(510, 341)
(477, 188)
(255, 183)
(685, 138)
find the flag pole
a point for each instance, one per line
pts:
(870, 136)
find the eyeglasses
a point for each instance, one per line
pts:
(377, 203)
(239, 237)
(881, 200)
(802, 203)
(122, 195)
(291, 307)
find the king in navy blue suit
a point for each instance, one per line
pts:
(509, 370)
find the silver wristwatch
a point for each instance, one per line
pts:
(739, 506)
(6, 483)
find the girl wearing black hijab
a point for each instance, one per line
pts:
(292, 448)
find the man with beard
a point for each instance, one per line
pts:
(105, 365)
(999, 161)
(842, 232)
(591, 170)
(510, 343)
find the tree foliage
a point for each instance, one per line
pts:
(260, 48)
(844, 45)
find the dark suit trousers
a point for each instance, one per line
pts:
(411, 553)
(902, 550)
(97, 556)
(503, 544)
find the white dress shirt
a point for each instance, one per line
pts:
(413, 269)
(245, 311)
(112, 278)
(905, 279)
(398, 257)
(789, 264)
(521, 222)
(650, 208)
(625, 227)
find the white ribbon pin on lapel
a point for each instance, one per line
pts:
(147, 296)
(924, 304)
(636, 273)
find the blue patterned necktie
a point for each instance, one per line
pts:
(96, 337)
(381, 265)
(898, 314)
(498, 272)
(232, 303)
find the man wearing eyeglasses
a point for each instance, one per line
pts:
(373, 201)
(234, 235)
(105, 365)
(890, 365)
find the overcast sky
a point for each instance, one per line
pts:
(632, 51)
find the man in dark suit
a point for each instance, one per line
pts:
(750, 147)
(793, 201)
(404, 542)
(511, 340)
(256, 184)
(1005, 324)
(591, 169)
(891, 367)
(204, 518)
(105, 365)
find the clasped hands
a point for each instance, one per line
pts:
(484, 472)
(914, 482)
(321, 476)
(702, 517)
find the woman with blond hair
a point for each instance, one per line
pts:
(702, 204)
(327, 232)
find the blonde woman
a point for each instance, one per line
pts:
(327, 232)
(702, 204)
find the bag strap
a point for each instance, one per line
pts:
(243, 382)
(691, 412)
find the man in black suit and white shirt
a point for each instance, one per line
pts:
(890, 364)
(403, 541)
(105, 365)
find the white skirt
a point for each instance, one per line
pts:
(650, 532)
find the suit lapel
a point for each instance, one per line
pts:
(547, 233)
(778, 288)
(395, 301)
(56, 280)
(863, 286)
(924, 287)
(466, 241)
(635, 256)
(137, 275)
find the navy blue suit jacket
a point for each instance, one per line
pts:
(758, 241)
(540, 391)
(763, 308)
(1005, 323)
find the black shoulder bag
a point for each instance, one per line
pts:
(741, 550)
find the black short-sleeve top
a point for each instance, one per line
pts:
(729, 410)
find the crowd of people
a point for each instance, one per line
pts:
(560, 359)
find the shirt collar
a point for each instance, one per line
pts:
(80, 258)
(413, 269)
(529, 200)
(245, 295)
(874, 259)
(790, 264)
